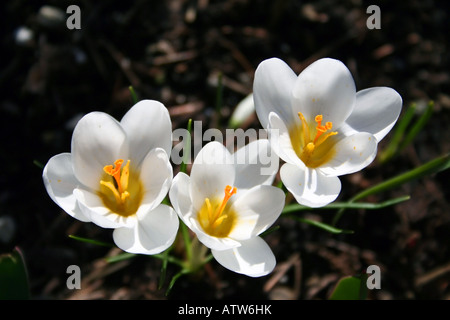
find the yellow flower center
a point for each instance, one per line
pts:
(116, 191)
(215, 217)
(313, 145)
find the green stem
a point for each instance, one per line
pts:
(219, 96)
(186, 239)
(187, 148)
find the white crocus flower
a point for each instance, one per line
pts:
(319, 125)
(117, 175)
(227, 203)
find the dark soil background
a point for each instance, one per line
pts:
(175, 52)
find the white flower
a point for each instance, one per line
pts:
(319, 125)
(244, 109)
(227, 203)
(117, 175)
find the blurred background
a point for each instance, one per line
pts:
(198, 57)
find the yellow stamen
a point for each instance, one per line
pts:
(121, 189)
(305, 129)
(228, 193)
(213, 218)
(309, 146)
(308, 151)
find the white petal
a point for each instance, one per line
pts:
(376, 111)
(257, 210)
(180, 197)
(213, 243)
(60, 181)
(156, 176)
(243, 111)
(353, 153)
(280, 141)
(272, 90)
(152, 234)
(148, 126)
(211, 172)
(256, 164)
(253, 258)
(98, 140)
(92, 206)
(310, 187)
(325, 87)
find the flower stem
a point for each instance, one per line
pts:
(187, 240)
(187, 148)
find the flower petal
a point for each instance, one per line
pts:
(148, 126)
(310, 187)
(253, 258)
(98, 140)
(280, 141)
(92, 206)
(256, 164)
(179, 196)
(211, 172)
(325, 87)
(257, 210)
(60, 181)
(353, 153)
(156, 176)
(242, 112)
(376, 111)
(272, 90)
(213, 243)
(152, 234)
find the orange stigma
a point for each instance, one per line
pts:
(309, 145)
(320, 128)
(121, 178)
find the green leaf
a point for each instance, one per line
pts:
(175, 278)
(323, 226)
(134, 97)
(120, 257)
(434, 166)
(38, 164)
(346, 205)
(91, 241)
(398, 134)
(350, 288)
(13, 277)
(219, 95)
(418, 125)
(431, 167)
(403, 137)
